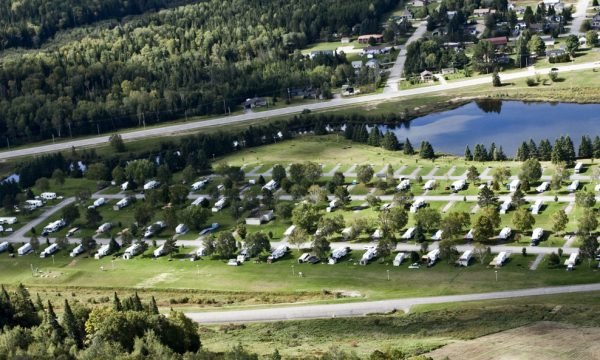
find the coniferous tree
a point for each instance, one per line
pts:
(117, 306)
(426, 151)
(408, 148)
(374, 137)
(490, 153)
(153, 308)
(533, 150)
(55, 330)
(596, 147)
(390, 141)
(137, 302)
(72, 326)
(545, 150)
(522, 152)
(468, 155)
(586, 149)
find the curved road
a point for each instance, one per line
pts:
(338, 102)
(368, 307)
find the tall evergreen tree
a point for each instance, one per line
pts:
(468, 155)
(522, 152)
(55, 330)
(72, 326)
(374, 137)
(533, 150)
(586, 149)
(569, 150)
(596, 147)
(390, 141)
(426, 151)
(117, 306)
(408, 148)
(545, 150)
(153, 308)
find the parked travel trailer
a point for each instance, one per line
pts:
(132, 251)
(437, 236)
(211, 228)
(25, 249)
(308, 258)
(404, 185)
(104, 227)
(199, 185)
(181, 229)
(97, 203)
(124, 185)
(458, 185)
(505, 206)
(571, 261)
(198, 201)
(121, 203)
(271, 185)
(514, 185)
(505, 233)
(154, 228)
(152, 184)
(399, 259)
(431, 257)
(500, 259)
(408, 234)
(465, 258)
(573, 186)
(8, 220)
(77, 250)
(469, 235)
(159, 251)
(429, 185)
(289, 230)
(219, 205)
(578, 168)
(258, 217)
(536, 236)
(377, 234)
(4, 246)
(368, 255)
(537, 206)
(102, 252)
(419, 202)
(48, 195)
(338, 254)
(278, 253)
(334, 204)
(34, 204)
(543, 187)
(347, 232)
(53, 227)
(49, 251)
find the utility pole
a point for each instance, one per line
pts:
(8, 143)
(98, 128)
(70, 132)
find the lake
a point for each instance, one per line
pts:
(507, 123)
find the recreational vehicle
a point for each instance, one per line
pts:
(465, 258)
(458, 185)
(132, 251)
(258, 217)
(208, 230)
(571, 261)
(152, 184)
(347, 232)
(537, 206)
(122, 203)
(368, 255)
(198, 201)
(4, 246)
(8, 220)
(33, 204)
(124, 186)
(514, 185)
(543, 187)
(233, 262)
(102, 252)
(536, 236)
(417, 205)
(438, 235)
(431, 257)
(338, 254)
(505, 206)
(597, 188)
(578, 168)
(429, 185)
(505, 233)
(159, 251)
(278, 253)
(49, 251)
(48, 195)
(154, 229)
(404, 185)
(199, 185)
(399, 259)
(97, 203)
(271, 185)
(469, 235)
(573, 186)
(104, 227)
(289, 230)
(219, 205)
(25, 249)
(181, 229)
(377, 234)
(308, 258)
(409, 233)
(53, 227)
(500, 259)
(77, 250)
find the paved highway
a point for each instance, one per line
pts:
(278, 313)
(200, 124)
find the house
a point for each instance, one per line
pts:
(219, 205)
(417, 204)
(426, 75)
(536, 236)
(49, 251)
(366, 39)
(571, 261)
(254, 102)
(429, 185)
(153, 184)
(505, 233)
(102, 252)
(543, 187)
(500, 259)
(258, 217)
(278, 253)
(438, 235)
(368, 255)
(555, 53)
(498, 42)
(514, 185)
(458, 185)
(271, 185)
(79, 249)
(132, 251)
(573, 186)
(465, 258)
(407, 15)
(408, 234)
(537, 206)
(8, 220)
(312, 55)
(48, 195)
(399, 258)
(373, 64)
(431, 257)
(338, 254)
(25, 249)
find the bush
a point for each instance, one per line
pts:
(530, 82)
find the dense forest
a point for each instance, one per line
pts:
(197, 59)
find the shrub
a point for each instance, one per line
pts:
(530, 82)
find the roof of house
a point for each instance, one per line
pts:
(426, 72)
(501, 40)
(366, 37)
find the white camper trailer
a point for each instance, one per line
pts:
(536, 236)
(49, 251)
(543, 187)
(514, 185)
(429, 185)
(154, 229)
(404, 185)
(431, 257)
(271, 185)
(3, 246)
(97, 203)
(77, 250)
(159, 251)
(578, 168)
(121, 203)
(505, 233)
(458, 185)
(33, 204)
(537, 206)
(438, 235)
(368, 255)
(152, 184)
(465, 258)
(48, 195)
(399, 259)
(25, 249)
(132, 251)
(505, 206)
(419, 202)
(124, 185)
(469, 235)
(219, 205)
(338, 254)
(53, 227)
(573, 186)
(278, 253)
(10, 220)
(500, 259)
(198, 201)
(571, 261)
(102, 252)
(199, 185)
(289, 230)
(181, 229)
(377, 234)
(347, 232)
(104, 227)
(409, 233)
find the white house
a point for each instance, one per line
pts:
(103, 251)
(500, 259)
(8, 220)
(408, 234)
(368, 255)
(77, 250)
(573, 186)
(258, 217)
(49, 251)
(514, 185)
(537, 206)
(399, 259)
(404, 185)
(536, 236)
(278, 253)
(431, 257)
(132, 251)
(458, 185)
(417, 204)
(219, 205)
(25, 249)
(429, 185)
(465, 258)
(438, 235)
(505, 206)
(505, 233)
(543, 187)
(48, 195)
(271, 185)
(338, 254)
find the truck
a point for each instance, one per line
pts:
(338, 254)
(49, 251)
(77, 250)
(132, 251)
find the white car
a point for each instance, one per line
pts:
(233, 262)
(414, 266)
